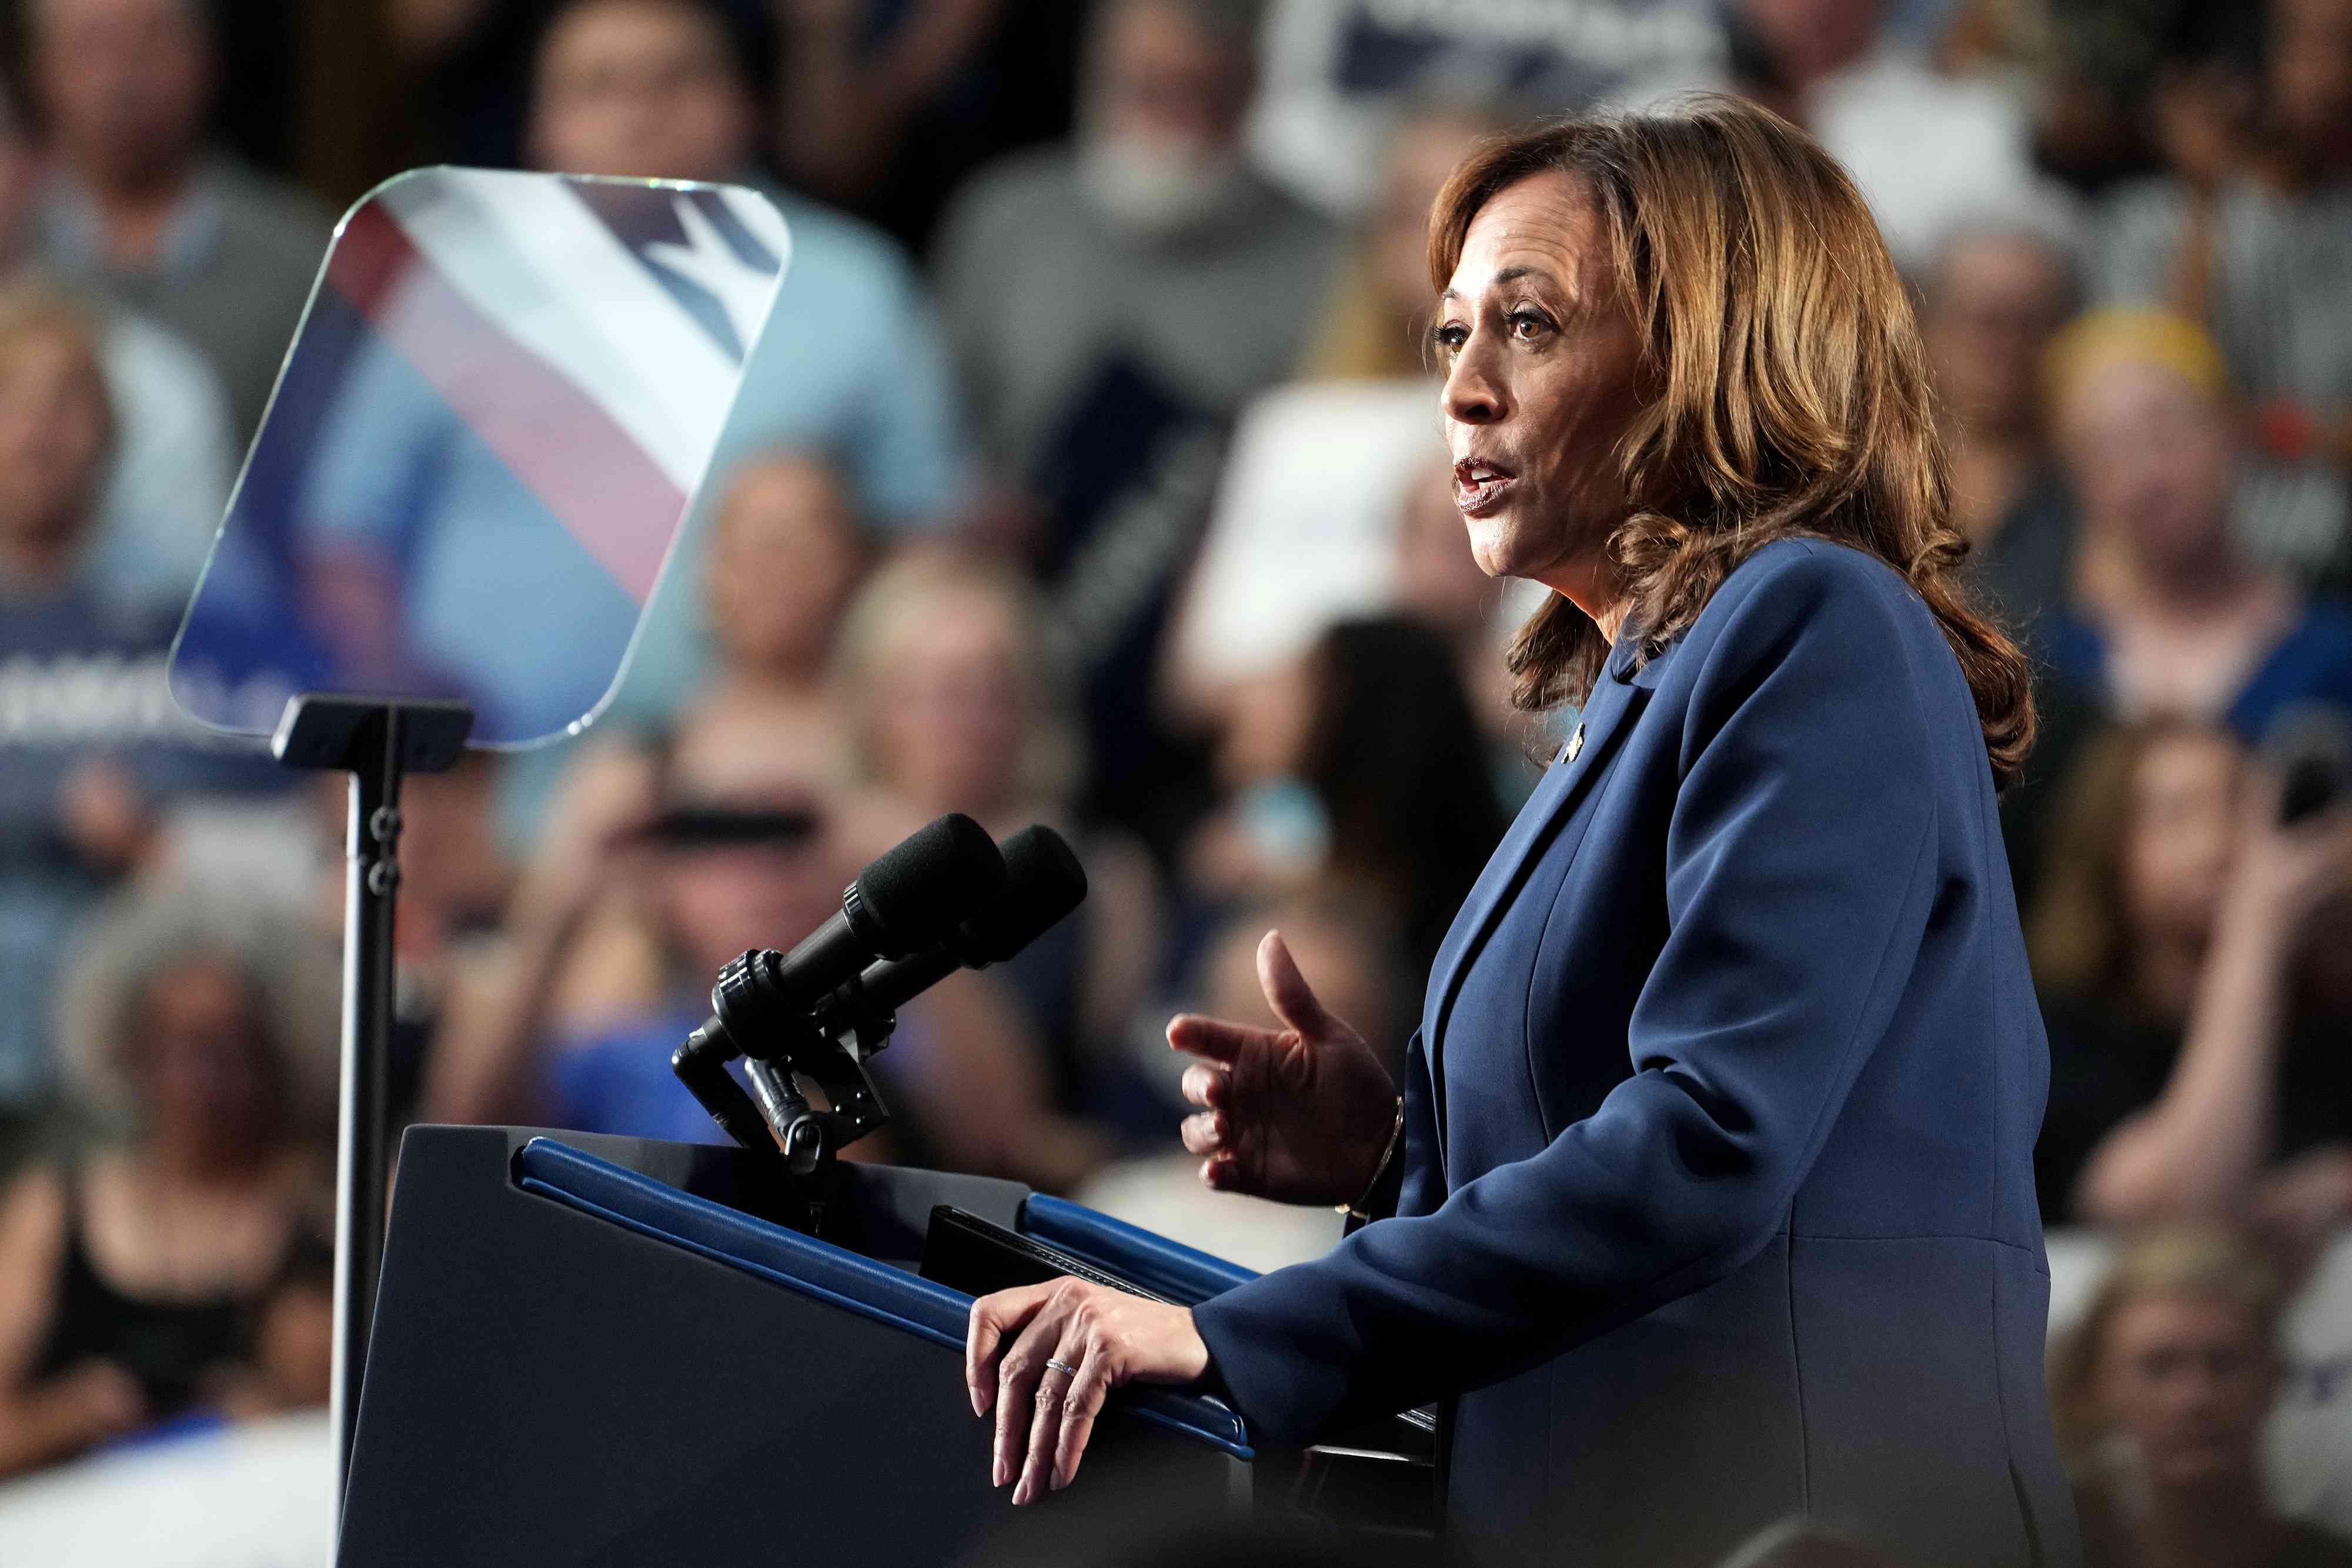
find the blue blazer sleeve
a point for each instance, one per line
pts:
(1411, 1182)
(1799, 878)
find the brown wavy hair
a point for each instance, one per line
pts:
(1786, 392)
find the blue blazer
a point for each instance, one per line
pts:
(1716, 1198)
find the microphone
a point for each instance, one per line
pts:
(1042, 882)
(908, 898)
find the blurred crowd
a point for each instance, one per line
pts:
(1092, 475)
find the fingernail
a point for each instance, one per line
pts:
(999, 1473)
(1061, 1479)
(979, 1402)
(1021, 1493)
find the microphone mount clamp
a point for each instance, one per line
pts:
(783, 1046)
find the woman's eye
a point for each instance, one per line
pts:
(1527, 324)
(1448, 337)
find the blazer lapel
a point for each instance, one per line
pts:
(1616, 701)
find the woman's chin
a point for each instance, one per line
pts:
(1490, 547)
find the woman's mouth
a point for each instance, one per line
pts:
(1479, 486)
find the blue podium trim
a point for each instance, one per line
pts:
(1166, 1268)
(819, 1270)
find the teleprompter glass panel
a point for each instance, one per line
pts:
(504, 394)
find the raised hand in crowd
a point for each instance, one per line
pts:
(2207, 1146)
(479, 1069)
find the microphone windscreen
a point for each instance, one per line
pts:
(1042, 882)
(916, 893)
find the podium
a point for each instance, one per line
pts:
(595, 1350)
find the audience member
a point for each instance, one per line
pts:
(461, 70)
(1376, 310)
(173, 455)
(1995, 291)
(653, 88)
(860, 75)
(140, 203)
(2251, 229)
(1363, 772)
(180, 1266)
(2170, 613)
(1925, 147)
(886, 106)
(2161, 1393)
(951, 701)
(2086, 70)
(88, 740)
(1340, 74)
(2196, 1032)
(1146, 246)
(786, 556)
(853, 363)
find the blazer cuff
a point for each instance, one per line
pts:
(1287, 1390)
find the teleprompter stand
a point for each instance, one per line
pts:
(376, 740)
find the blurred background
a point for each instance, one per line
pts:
(1091, 474)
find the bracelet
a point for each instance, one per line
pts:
(1396, 1136)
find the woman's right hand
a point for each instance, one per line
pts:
(1299, 1114)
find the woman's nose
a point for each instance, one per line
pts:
(1474, 392)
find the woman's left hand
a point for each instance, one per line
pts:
(1046, 1356)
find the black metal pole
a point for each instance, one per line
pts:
(363, 1158)
(375, 740)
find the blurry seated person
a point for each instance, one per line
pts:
(2169, 613)
(181, 1266)
(1363, 770)
(1375, 314)
(856, 363)
(2190, 959)
(785, 555)
(91, 741)
(2162, 1393)
(1998, 286)
(715, 844)
(951, 701)
(2247, 229)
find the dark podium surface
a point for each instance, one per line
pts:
(593, 1349)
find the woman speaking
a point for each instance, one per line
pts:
(1708, 1198)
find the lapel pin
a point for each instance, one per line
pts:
(1575, 744)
